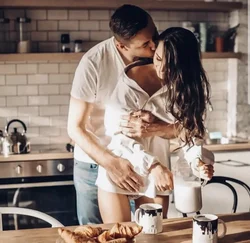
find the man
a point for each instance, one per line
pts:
(95, 78)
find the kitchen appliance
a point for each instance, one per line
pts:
(20, 143)
(45, 185)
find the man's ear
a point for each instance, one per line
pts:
(120, 45)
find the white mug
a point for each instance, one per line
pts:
(205, 228)
(149, 216)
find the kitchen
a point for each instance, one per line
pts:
(35, 87)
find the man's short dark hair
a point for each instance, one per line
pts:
(127, 21)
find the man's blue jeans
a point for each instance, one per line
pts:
(85, 176)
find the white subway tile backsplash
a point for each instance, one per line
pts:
(217, 17)
(26, 68)
(38, 100)
(7, 69)
(64, 110)
(49, 111)
(16, 79)
(17, 101)
(68, 25)
(59, 140)
(79, 35)
(27, 90)
(57, 14)
(48, 68)
(32, 132)
(39, 121)
(40, 140)
(78, 14)
(50, 131)
(48, 47)
(159, 15)
(8, 112)
(56, 35)
(197, 16)
(8, 90)
(47, 25)
(216, 76)
(177, 16)
(59, 78)
(104, 25)
(59, 121)
(67, 68)
(28, 111)
(36, 14)
(59, 100)
(99, 35)
(38, 78)
(3, 102)
(38, 36)
(99, 14)
(13, 13)
(65, 88)
(90, 25)
(2, 79)
(48, 89)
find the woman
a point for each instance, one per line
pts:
(174, 89)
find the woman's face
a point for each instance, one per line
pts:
(158, 60)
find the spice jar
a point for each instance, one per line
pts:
(65, 43)
(78, 46)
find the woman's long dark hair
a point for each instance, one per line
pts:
(186, 82)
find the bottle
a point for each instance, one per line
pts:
(187, 188)
(78, 46)
(24, 44)
(203, 36)
(65, 43)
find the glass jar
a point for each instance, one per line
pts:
(187, 188)
(24, 44)
(65, 43)
(78, 46)
(5, 36)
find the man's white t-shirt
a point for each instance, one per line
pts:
(95, 79)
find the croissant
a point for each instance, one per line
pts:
(119, 240)
(88, 231)
(124, 231)
(72, 237)
(104, 237)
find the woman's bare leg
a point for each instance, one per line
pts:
(162, 200)
(113, 207)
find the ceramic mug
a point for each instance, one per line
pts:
(205, 228)
(149, 216)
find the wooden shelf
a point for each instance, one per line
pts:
(77, 56)
(113, 4)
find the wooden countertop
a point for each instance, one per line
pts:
(174, 231)
(59, 152)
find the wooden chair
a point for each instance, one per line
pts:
(226, 181)
(28, 212)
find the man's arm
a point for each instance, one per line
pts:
(120, 170)
(144, 124)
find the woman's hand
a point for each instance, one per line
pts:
(141, 124)
(163, 177)
(206, 171)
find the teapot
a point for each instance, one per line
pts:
(20, 143)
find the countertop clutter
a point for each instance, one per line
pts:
(59, 151)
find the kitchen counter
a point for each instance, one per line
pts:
(58, 151)
(41, 152)
(174, 231)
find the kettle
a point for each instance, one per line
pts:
(20, 143)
